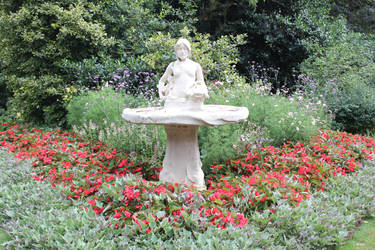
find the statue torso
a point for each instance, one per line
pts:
(183, 78)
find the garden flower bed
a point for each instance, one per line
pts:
(124, 187)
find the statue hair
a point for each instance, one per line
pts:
(183, 42)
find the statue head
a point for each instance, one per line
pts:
(182, 48)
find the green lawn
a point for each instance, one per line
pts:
(3, 238)
(364, 237)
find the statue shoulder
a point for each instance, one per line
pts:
(170, 65)
(197, 65)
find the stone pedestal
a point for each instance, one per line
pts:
(182, 162)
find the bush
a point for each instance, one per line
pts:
(36, 37)
(93, 72)
(340, 70)
(45, 40)
(272, 37)
(96, 114)
(360, 14)
(293, 118)
(122, 19)
(37, 99)
(4, 92)
(349, 60)
(273, 119)
(221, 143)
(354, 109)
(217, 58)
(343, 77)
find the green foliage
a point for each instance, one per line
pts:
(285, 119)
(82, 73)
(97, 115)
(359, 13)
(39, 99)
(4, 92)
(273, 119)
(98, 106)
(129, 75)
(36, 38)
(354, 109)
(321, 29)
(349, 60)
(364, 237)
(273, 40)
(132, 23)
(46, 40)
(324, 220)
(341, 68)
(218, 144)
(272, 37)
(217, 58)
(25, 203)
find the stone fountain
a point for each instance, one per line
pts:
(182, 114)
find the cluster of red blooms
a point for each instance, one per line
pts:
(93, 171)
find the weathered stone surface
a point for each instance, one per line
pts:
(183, 112)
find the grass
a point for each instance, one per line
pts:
(4, 237)
(364, 237)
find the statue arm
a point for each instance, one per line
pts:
(199, 75)
(200, 80)
(163, 90)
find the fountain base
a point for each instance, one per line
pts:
(182, 162)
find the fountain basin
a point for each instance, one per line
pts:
(182, 162)
(208, 115)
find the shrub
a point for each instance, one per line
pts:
(4, 92)
(37, 99)
(354, 109)
(321, 29)
(221, 143)
(40, 39)
(36, 37)
(125, 73)
(273, 119)
(360, 14)
(293, 118)
(97, 115)
(272, 36)
(349, 60)
(93, 72)
(340, 71)
(122, 19)
(217, 58)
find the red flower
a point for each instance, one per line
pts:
(92, 202)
